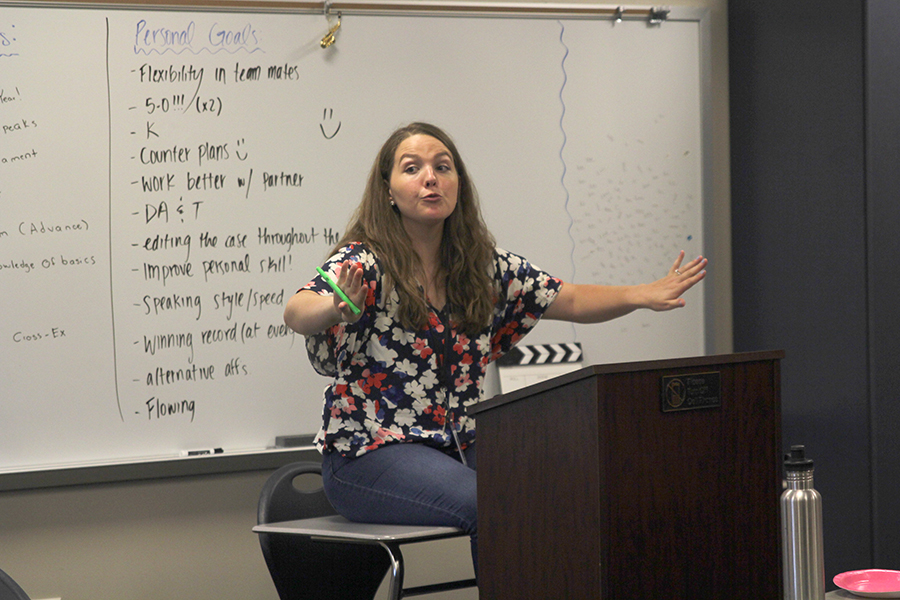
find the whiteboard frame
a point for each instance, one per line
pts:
(376, 7)
(165, 467)
(154, 468)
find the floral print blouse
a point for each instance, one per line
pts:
(394, 385)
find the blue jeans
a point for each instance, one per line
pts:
(405, 484)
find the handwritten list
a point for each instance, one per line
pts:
(187, 211)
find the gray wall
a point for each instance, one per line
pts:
(814, 131)
(883, 214)
(178, 538)
(173, 539)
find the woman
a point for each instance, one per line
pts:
(439, 303)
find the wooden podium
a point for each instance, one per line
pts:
(643, 481)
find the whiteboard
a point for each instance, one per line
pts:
(169, 178)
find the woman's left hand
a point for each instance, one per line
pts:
(665, 293)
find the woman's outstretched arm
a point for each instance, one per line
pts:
(598, 303)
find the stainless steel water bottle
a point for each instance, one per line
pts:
(801, 529)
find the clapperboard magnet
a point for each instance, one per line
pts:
(525, 365)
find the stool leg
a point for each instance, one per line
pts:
(395, 589)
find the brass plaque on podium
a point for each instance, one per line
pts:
(691, 392)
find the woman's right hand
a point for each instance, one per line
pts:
(309, 313)
(350, 280)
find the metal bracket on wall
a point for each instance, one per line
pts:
(658, 16)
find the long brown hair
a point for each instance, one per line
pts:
(467, 246)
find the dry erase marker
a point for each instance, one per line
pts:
(202, 452)
(338, 290)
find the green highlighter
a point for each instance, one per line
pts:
(338, 290)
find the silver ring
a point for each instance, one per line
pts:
(677, 272)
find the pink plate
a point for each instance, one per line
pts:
(870, 583)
